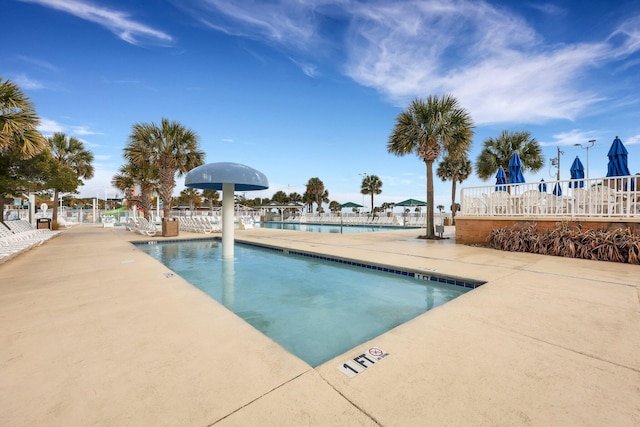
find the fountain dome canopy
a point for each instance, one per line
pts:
(212, 176)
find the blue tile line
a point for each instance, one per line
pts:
(430, 277)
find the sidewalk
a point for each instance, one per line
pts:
(94, 332)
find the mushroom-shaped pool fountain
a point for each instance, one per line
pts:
(228, 177)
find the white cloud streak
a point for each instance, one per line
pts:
(286, 22)
(572, 137)
(26, 82)
(48, 127)
(120, 23)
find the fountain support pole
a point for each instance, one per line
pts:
(228, 219)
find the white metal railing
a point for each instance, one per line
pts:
(411, 219)
(615, 197)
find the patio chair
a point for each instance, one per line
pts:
(581, 200)
(500, 203)
(603, 200)
(531, 202)
(473, 205)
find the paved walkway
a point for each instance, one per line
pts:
(95, 332)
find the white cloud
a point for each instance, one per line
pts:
(39, 63)
(81, 130)
(286, 22)
(493, 62)
(491, 59)
(572, 137)
(633, 140)
(628, 36)
(115, 21)
(48, 127)
(309, 69)
(27, 83)
(548, 8)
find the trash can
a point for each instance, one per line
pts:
(447, 221)
(169, 227)
(43, 224)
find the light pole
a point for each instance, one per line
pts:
(556, 162)
(592, 142)
(363, 175)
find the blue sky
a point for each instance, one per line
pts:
(311, 88)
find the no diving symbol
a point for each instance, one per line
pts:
(376, 352)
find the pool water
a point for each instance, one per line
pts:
(315, 309)
(328, 228)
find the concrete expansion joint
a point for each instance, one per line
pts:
(258, 398)
(582, 353)
(371, 417)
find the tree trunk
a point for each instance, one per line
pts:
(453, 202)
(54, 208)
(429, 226)
(145, 201)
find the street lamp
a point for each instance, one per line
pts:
(363, 175)
(592, 142)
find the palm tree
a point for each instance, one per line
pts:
(295, 197)
(307, 200)
(455, 170)
(429, 128)
(498, 151)
(70, 156)
(173, 149)
(191, 196)
(280, 197)
(141, 171)
(317, 193)
(129, 177)
(211, 196)
(371, 184)
(18, 123)
(124, 182)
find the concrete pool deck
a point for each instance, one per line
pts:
(95, 332)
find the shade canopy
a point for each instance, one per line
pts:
(411, 202)
(577, 173)
(515, 170)
(501, 180)
(213, 175)
(618, 165)
(350, 205)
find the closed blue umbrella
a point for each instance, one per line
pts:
(542, 187)
(618, 165)
(557, 190)
(501, 180)
(577, 173)
(515, 170)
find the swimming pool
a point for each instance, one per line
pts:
(328, 228)
(314, 308)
